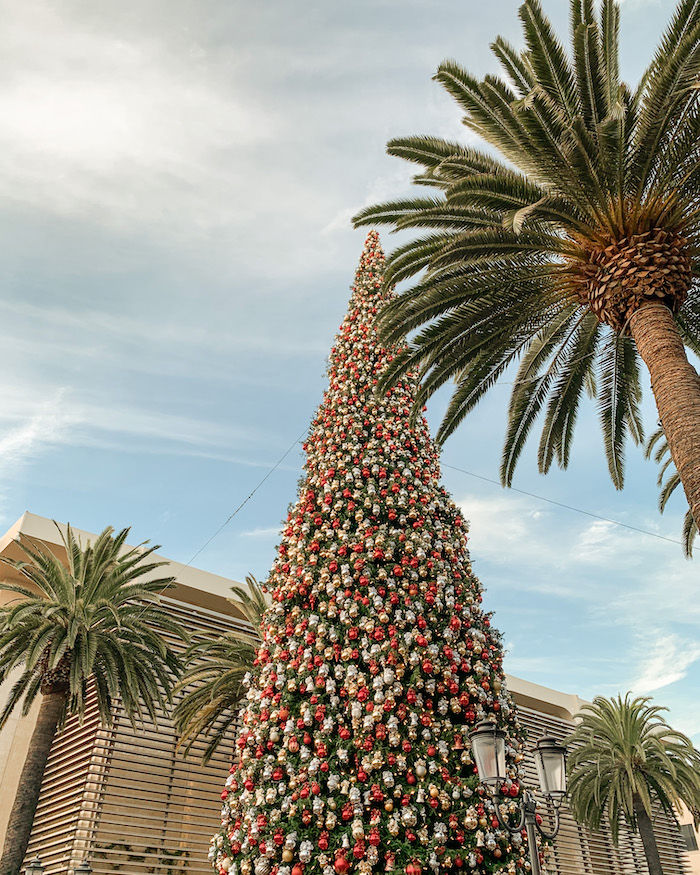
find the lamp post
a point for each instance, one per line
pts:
(489, 750)
(84, 868)
(35, 867)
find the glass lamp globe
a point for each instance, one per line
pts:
(550, 759)
(489, 750)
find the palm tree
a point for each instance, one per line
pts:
(92, 621)
(213, 682)
(662, 457)
(623, 759)
(571, 246)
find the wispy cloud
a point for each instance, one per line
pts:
(47, 426)
(669, 660)
(515, 527)
(110, 124)
(32, 427)
(61, 338)
(261, 533)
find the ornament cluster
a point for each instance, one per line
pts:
(377, 658)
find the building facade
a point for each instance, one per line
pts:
(127, 801)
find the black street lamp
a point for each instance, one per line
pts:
(489, 750)
(35, 867)
(84, 868)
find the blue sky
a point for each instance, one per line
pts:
(176, 183)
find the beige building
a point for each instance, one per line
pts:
(128, 803)
(123, 799)
(691, 838)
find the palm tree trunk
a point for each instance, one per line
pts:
(676, 387)
(646, 833)
(19, 826)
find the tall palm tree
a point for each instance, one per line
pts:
(572, 246)
(623, 759)
(213, 682)
(91, 621)
(658, 445)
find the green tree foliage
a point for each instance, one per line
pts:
(624, 758)
(569, 247)
(213, 679)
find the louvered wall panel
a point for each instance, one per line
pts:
(59, 813)
(124, 798)
(577, 851)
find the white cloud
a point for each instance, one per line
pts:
(595, 592)
(65, 419)
(513, 526)
(113, 126)
(268, 532)
(45, 427)
(668, 661)
(63, 335)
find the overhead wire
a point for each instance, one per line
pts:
(453, 468)
(247, 499)
(239, 508)
(565, 506)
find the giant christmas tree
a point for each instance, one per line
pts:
(377, 658)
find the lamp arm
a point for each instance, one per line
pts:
(553, 834)
(504, 823)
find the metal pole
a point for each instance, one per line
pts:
(530, 807)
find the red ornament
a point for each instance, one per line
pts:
(341, 865)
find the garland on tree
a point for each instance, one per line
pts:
(377, 658)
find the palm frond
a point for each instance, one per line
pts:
(658, 446)
(619, 398)
(515, 66)
(213, 682)
(623, 749)
(95, 614)
(548, 58)
(574, 361)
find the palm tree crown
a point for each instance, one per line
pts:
(623, 759)
(93, 618)
(91, 621)
(571, 248)
(213, 682)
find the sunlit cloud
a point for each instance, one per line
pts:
(668, 661)
(30, 435)
(109, 125)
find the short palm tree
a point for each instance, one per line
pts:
(213, 682)
(571, 246)
(658, 445)
(623, 759)
(89, 621)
